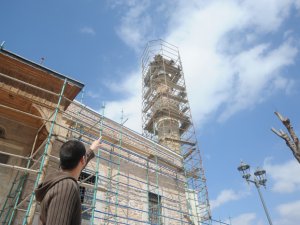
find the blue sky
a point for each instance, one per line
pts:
(241, 63)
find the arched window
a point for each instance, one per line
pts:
(3, 158)
(2, 132)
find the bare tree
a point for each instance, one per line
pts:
(291, 141)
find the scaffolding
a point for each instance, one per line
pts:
(167, 117)
(118, 185)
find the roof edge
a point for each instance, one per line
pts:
(52, 72)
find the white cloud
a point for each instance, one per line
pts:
(257, 73)
(267, 15)
(135, 24)
(289, 213)
(227, 67)
(131, 85)
(284, 176)
(298, 4)
(88, 30)
(244, 219)
(132, 106)
(287, 85)
(131, 112)
(222, 70)
(92, 94)
(226, 196)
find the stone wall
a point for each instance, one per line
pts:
(126, 177)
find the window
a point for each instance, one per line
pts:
(86, 194)
(154, 208)
(2, 132)
(4, 158)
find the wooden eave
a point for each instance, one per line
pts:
(34, 74)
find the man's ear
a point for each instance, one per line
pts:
(82, 160)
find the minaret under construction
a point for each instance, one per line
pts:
(167, 116)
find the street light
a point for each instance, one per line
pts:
(259, 180)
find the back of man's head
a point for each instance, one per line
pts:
(70, 154)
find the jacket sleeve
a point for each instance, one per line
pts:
(63, 203)
(90, 154)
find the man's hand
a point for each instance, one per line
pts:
(96, 144)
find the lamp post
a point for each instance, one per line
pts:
(259, 180)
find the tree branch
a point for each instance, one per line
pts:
(287, 123)
(293, 143)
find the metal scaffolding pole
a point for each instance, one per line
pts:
(166, 114)
(31, 207)
(131, 148)
(25, 175)
(19, 191)
(97, 170)
(118, 172)
(6, 201)
(147, 179)
(157, 192)
(179, 199)
(109, 185)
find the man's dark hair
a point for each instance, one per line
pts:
(70, 154)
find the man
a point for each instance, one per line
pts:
(59, 193)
